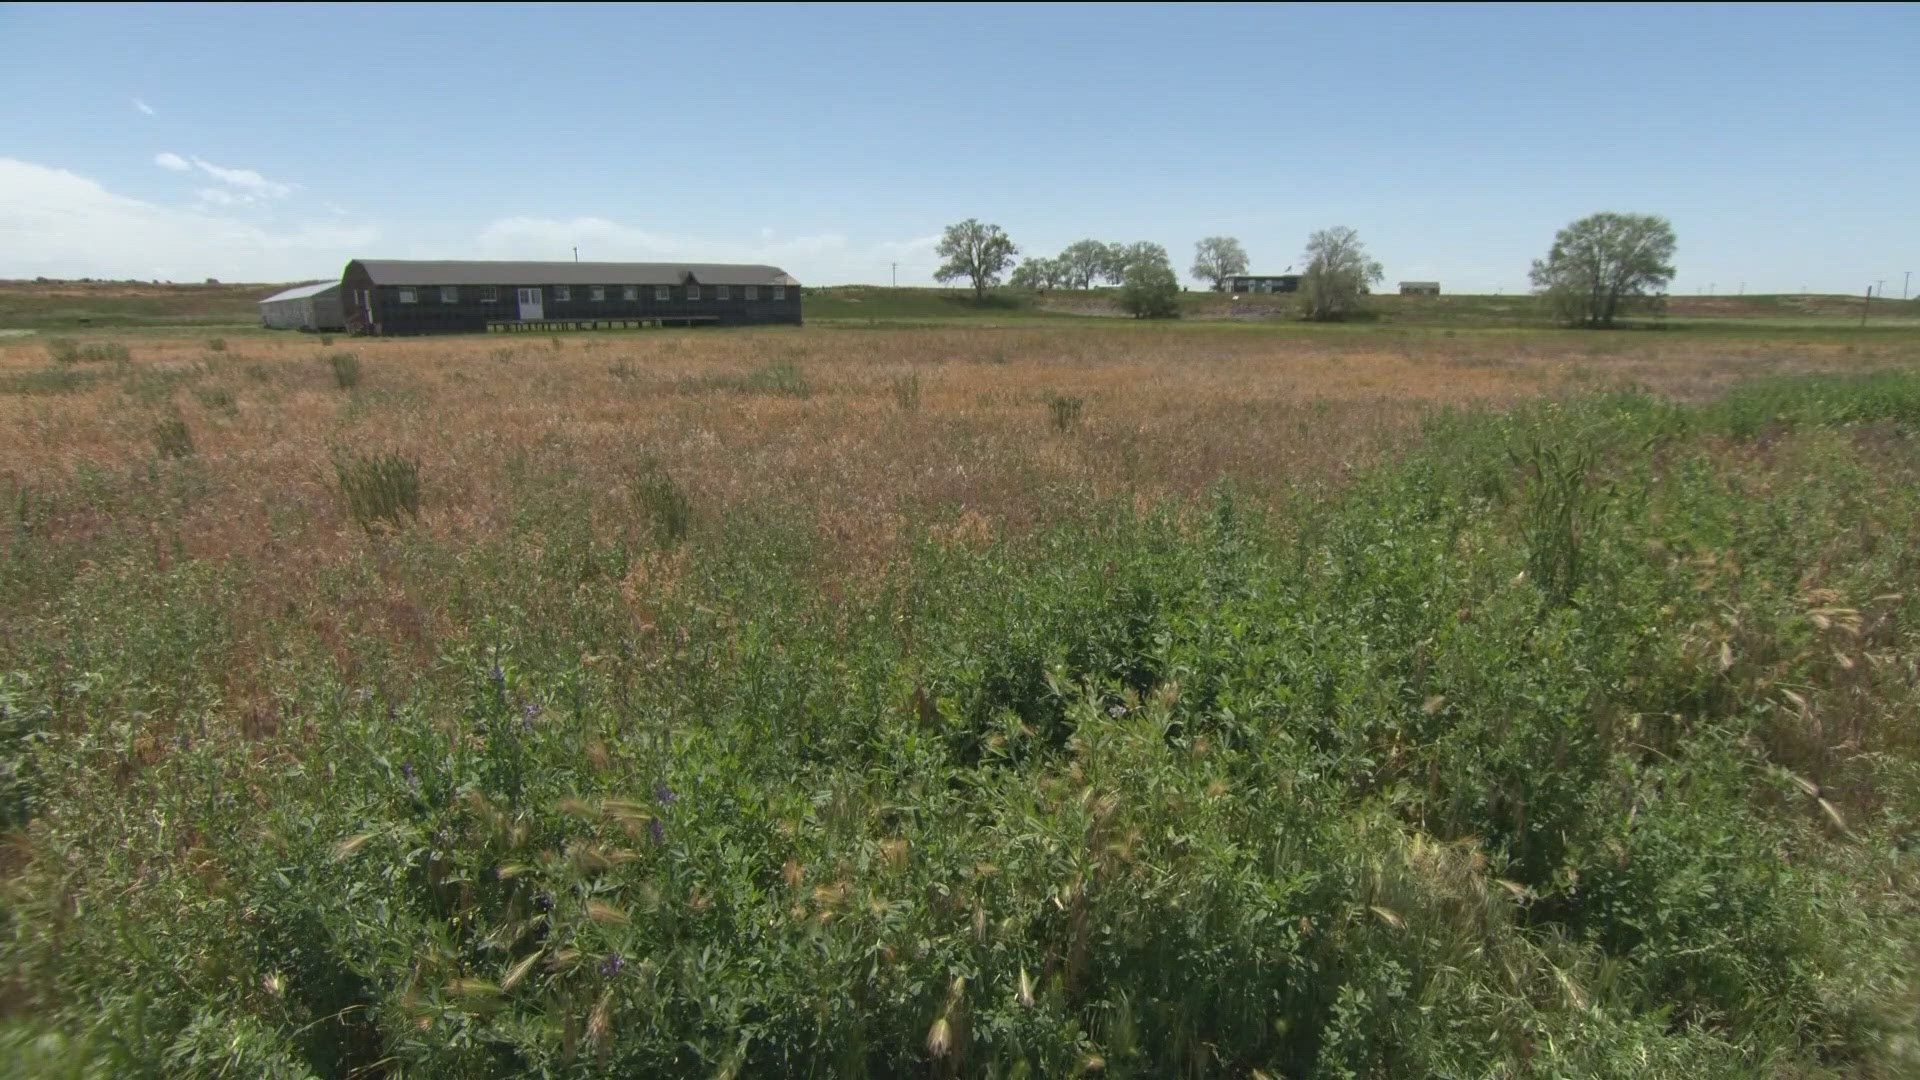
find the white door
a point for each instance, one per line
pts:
(532, 305)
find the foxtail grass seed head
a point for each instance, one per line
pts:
(940, 1038)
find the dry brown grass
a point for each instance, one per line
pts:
(1168, 411)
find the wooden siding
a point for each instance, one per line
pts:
(376, 309)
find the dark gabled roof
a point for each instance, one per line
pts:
(412, 272)
(303, 291)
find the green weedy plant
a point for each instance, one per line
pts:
(906, 391)
(326, 340)
(346, 370)
(63, 380)
(216, 399)
(172, 438)
(1560, 514)
(216, 344)
(1065, 411)
(379, 488)
(663, 502)
(781, 378)
(68, 351)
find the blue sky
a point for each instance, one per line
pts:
(274, 143)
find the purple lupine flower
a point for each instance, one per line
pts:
(659, 831)
(612, 965)
(406, 770)
(665, 795)
(527, 714)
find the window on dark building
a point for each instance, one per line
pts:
(663, 292)
(562, 294)
(408, 296)
(693, 291)
(630, 292)
(599, 293)
(752, 292)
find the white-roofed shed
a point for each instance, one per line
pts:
(306, 307)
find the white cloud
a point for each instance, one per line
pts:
(249, 184)
(823, 258)
(246, 180)
(219, 196)
(60, 224)
(143, 106)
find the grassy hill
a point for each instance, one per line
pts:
(878, 304)
(66, 306)
(78, 305)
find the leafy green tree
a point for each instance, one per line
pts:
(1217, 257)
(1039, 273)
(1605, 265)
(1150, 289)
(1123, 257)
(1082, 262)
(977, 252)
(1338, 271)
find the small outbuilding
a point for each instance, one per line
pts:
(308, 307)
(1263, 283)
(391, 296)
(1419, 288)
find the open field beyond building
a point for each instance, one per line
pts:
(1029, 698)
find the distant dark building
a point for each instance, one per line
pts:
(1419, 288)
(308, 307)
(386, 296)
(1263, 283)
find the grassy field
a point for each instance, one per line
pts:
(1029, 697)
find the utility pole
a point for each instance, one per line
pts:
(1904, 282)
(896, 274)
(1743, 288)
(1864, 306)
(576, 253)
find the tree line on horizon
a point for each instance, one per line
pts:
(1599, 268)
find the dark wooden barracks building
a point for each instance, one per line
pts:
(391, 296)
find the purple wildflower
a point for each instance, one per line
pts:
(612, 965)
(665, 795)
(659, 831)
(406, 770)
(527, 714)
